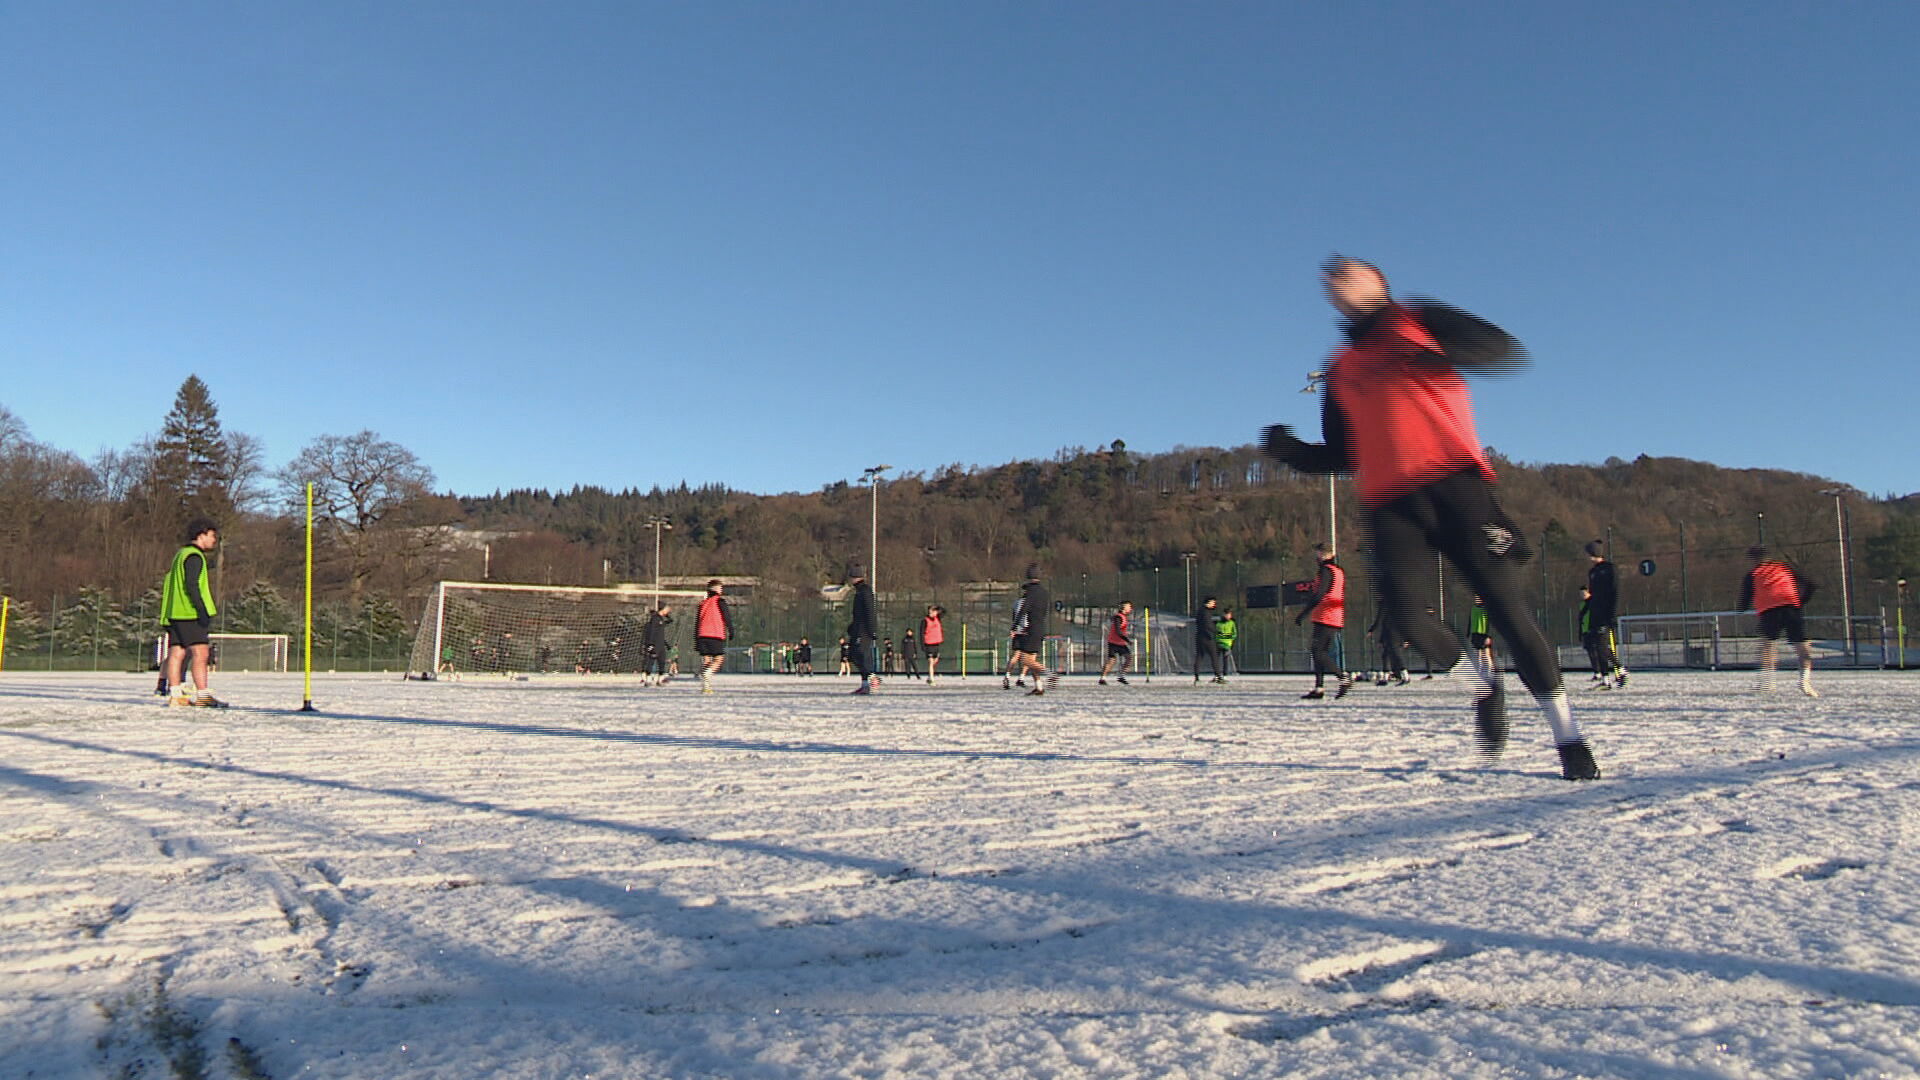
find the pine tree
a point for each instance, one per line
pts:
(192, 463)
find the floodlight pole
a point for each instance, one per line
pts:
(1333, 519)
(872, 474)
(657, 522)
(1846, 575)
(1187, 557)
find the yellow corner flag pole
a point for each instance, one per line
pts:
(6, 603)
(1148, 625)
(307, 638)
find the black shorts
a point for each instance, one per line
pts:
(710, 646)
(1027, 643)
(1120, 651)
(1479, 641)
(191, 632)
(932, 651)
(1785, 619)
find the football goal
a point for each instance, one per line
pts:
(239, 652)
(478, 627)
(1731, 639)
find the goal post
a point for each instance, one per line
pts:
(473, 627)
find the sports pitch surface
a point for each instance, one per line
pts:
(574, 877)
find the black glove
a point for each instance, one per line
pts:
(1277, 441)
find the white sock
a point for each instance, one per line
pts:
(1559, 717)
(1469, 666)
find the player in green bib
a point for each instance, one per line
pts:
(186, 614)
(1225, 633)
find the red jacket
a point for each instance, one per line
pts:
(1405, 411)
(1118, 629)
(713, 622)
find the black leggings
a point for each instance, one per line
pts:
(1390, 656)
(1204, 649)
(1459, 517)
(653, 662)
(1323, 662)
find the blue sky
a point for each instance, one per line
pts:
(768, 244)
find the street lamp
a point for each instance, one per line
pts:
(1846, 575)
(1187, 557)
(872, 474)
(657, 522)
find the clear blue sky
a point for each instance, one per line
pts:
(768, 244)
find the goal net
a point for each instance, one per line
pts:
(474, 627)
(239, 652)
(1731, 639)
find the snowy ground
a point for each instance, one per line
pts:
(568, 878)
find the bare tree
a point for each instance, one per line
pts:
(245, 470)
(363, 489)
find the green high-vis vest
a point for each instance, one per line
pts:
(1225, 632)
(175, 604)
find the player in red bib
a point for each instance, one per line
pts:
(712, 626)
(1778, 593)
(1329, 616)
(1397, 416)
(1119, 642)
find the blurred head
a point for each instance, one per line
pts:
(1126, 607)
(1354, 287)
(1597, 551)
(715, 586)
(1757, 553)
(1212, 601)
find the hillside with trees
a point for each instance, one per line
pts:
(85, 541)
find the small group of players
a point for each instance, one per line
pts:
(1396, 415)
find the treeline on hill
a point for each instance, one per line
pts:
(85, 541)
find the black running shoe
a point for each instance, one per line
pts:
(1122, 680)
(1036, 691)
(1103, 682)
(1576, 762)
(1314, 694)
(1490, 722)
(1341, 690)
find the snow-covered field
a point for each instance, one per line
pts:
(573, 878)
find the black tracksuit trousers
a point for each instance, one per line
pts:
(1459, 517)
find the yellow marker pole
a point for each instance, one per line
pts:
(6, 603)
(963, 649)
(306, 643)
(1148, 621)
